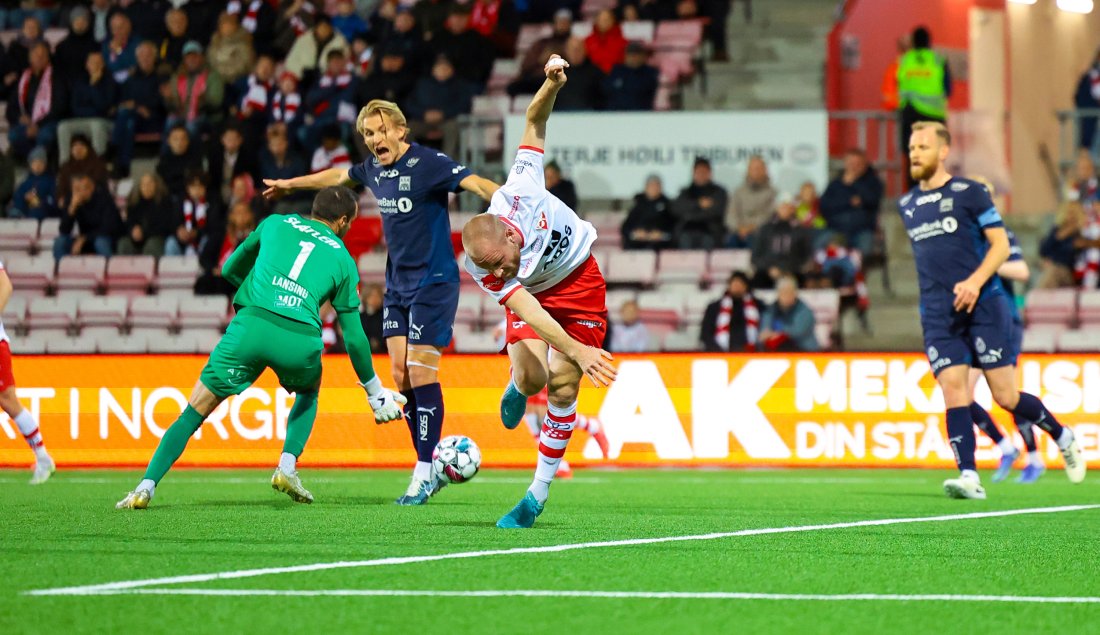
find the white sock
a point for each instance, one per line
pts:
(422, 471)
(28, 427)
(556, 431)
(1006, 447)
(288, 463)
(1035, 458)
(148, 485)
(533, 423)
(971, 474)
(1065, 438)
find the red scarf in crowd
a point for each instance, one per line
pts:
(256, 96)
(194, 213)
(285, 106)
(43, 97)
(752, 322)
(198, 89)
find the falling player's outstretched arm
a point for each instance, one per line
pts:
(593, 362)
(277, 188)
(967, 291)
(538, 112)
(480, 186)
(243, 258)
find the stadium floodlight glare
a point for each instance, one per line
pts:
(1075, 6)
(1024, 1)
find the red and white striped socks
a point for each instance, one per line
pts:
(31, 432)
(556, 432)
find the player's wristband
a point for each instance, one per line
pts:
(373, 387)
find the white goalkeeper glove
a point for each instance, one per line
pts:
(386, 403)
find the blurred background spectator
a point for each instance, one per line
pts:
(732, 323)
(781, 247)
(632, 84)
(36, 104)
(371, 315)
(560, 186)
(650, 223)
(36, 195)
(788, 324)
(606, 45)
(82, 159)
(751, 204)
(629, 334)
(1058, 249)
(90, 212)
(149, 216)
(851, 201)
(586, 88)
(92, 102)
(435, 104)
(699, 210)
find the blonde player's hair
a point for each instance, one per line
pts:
(986, 182)
(939, 128)
(381, 106)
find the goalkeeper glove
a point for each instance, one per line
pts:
(386, 403)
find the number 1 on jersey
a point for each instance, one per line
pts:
(300, 261)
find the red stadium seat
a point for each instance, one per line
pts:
(682, 35)
(18, 234)
(372, 267)
(1050, 306)
(131, 275)
(681, 265)
(30, 275)
(640, 30)
(204, 312)
(1042, 338)
(1079, 341)
(81, 273)
(469, 308)
(78, 345)
(48, 230)
(177, 272)
(131, 344)
(632, 267)
(102, 311)
(1088, 309)
(158, 311)
(52, 313)
(184, 343)
(723, 262)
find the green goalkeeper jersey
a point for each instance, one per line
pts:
(290, 266)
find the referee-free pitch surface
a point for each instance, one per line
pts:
(778, 551)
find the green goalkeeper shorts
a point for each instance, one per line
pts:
(257, 339)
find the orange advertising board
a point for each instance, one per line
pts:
(716, 410)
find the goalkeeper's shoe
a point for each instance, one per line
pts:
(137, 499)
(513, 404)
(523, 515)
(43, 470)
(964, 487)
(1006, 466)
(418, 493)
(1075, 462)
(291, 485)
(1031, 473)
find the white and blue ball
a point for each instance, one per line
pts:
(456, 459)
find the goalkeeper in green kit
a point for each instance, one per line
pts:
(285, 270)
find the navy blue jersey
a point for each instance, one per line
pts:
(1015, 252)
(412, 195)
(946, 228)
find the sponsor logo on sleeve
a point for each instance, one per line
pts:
(960, 187)
(412, 162)
(492, 283)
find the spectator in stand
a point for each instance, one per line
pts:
(36, 105)
(840, 268)
(120, 51)
(391, 82)
(407, 39)
(650, 223)
(229, 159)
(606, 45)
(781, 247)
(295, 17)
(198, 215)
(362, 56)
(332, 153)
(251, 100)
(687, 10)
(788, 324)
(102, 10)
(699, 210)
(311, 49)
(1058, 249)
(632, 85)
(82, 160)
(371, 315)
(92, 102)
(35, 196)
(498, 21)
(258, 18)
(331, 101)
(629, 334)
(140, 109)
(149, 218)
(1086, 187)
(435, 104)
(717, 13)
(7, 179)
(808, 213)
(230, 53)
(381, 21)
(531, 69)
(1087, 97)
(286, 104)
(469, 51)
(147, 18)
(91, 211)
(585, 88)
(195, 94)
(19, 51)
(653, 10)
(279, 161)
(77, 45)
(431, 16)
(170, 48)
(731, 324)
(177, 159)
(559, 186)
(217, 248)
(348, 22)
(851, 201)
(751, 205)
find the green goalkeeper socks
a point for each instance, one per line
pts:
(299, 424)
(172, 444)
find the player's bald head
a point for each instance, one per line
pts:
(482, 232)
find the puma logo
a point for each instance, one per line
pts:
(414, 331)
(430, 411)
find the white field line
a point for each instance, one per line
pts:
(627, 595)
(507, 480)
(94, 589)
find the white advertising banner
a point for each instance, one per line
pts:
(609, 155)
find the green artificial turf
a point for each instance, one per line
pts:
(67, 533)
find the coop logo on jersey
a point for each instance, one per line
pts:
(947, 205)
(404, 184)
(492, 283)
(388, 174)
(960, 187)
(929, 198)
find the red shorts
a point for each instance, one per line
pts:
(578, 303)
(7, 379)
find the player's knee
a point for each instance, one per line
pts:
(530, 381)
(563, 394)
(1005, 396)
(422, 376)
(10, 403)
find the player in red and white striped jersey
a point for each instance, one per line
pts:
(533, 255)
(28, 427)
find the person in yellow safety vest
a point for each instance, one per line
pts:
(924, 84)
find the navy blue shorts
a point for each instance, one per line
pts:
(425, 316)
(987, 338)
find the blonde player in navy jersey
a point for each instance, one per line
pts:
(959, 242)
(533, 255)
(411, 183)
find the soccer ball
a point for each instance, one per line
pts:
(456, 459)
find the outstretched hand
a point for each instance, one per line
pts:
(276, 189)
(555, 69)
(596, 364)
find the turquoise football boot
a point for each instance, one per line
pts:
(523, 515)
(513, 404)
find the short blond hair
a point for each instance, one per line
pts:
(378, 107)
(940, 130)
